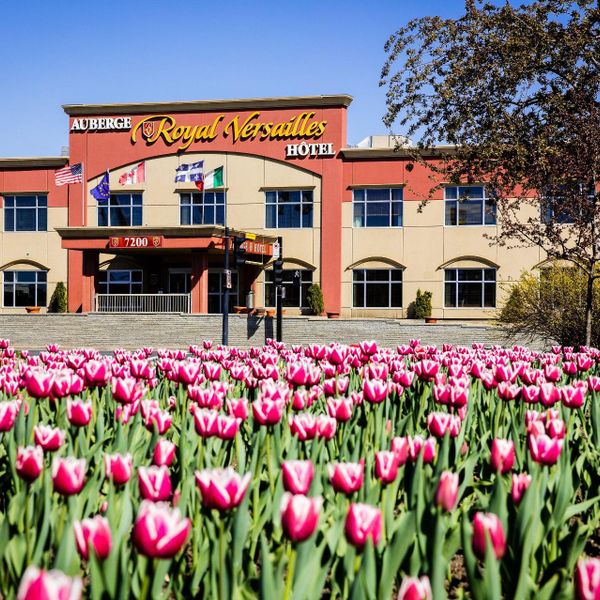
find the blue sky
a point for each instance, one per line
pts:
(63, 52)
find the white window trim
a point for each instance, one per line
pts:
(482, 282)
(14, 282)
(389, 282)
(390, 201)
(36, 208)
(485, 197)
(191, 205)
(301, 204)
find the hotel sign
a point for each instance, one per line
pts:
(136, 241)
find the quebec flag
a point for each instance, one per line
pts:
(190, 172)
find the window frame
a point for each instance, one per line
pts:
(202, 204)
(37, 207)
(365, 203)
(234, 292)
(109, 207)
(484, 200)
(37, 284)
(547, 211)
(390, 282)
(130, 282)
(270, 274)
(483, 281)
(301, 203)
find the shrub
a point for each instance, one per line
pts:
(58, 302)
(315, 299)
(551, 306)
(422, 305)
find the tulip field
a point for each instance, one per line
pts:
(290, 472)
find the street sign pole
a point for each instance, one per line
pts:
(279, 296)
(225, 290)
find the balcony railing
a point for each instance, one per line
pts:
(143, 303)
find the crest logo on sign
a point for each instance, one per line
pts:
(148, 128)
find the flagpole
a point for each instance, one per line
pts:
(227, 274)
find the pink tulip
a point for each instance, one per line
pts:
(222, 489)
(340, 408)
(544, 449)
(79, 413)
(375, 390)
(326, 427)
(400, 448)
(297, 475)
(159, 531)
(502, 456)
(299, 515)
(159, 419)
(555, 428)
(48, 437)
(573, 396)
(417, 444)
(118, 467)
(37, 584)
(268, 411)
(439, 423)
(426, 369)
(30, 462)
(164, 453)
(93, 533)
(549, 394)
(303, 426)
(8, 415)
(238, 408)
(155, 483)
(205, 422)
(488, 525)
(38, 383)
(126, 390)
(386, 466)
(587, 579)
(227, 427)
(96, 373)
(363, 521)
(415, 588)
(68, 475)
(346, 477)
(446, 494)
(520, 483)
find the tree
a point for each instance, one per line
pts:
(513, 91)
(551, 306)
(58, 301)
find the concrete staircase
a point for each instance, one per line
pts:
(108, 331)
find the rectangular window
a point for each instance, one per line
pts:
(555, 207)
(377, 288)
(121, 210)
(206, 208)
(377, 207)
(120, 281)
(289, 209)
(469, 205)
(470, 288)
(216, 282)
(25, 288)
(295, 288)
(26, 213)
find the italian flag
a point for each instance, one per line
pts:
(213, 179)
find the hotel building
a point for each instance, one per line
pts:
(349, 216)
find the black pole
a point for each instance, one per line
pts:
(278, 293)
(225, 290)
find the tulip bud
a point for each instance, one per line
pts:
(502, 455)
(93, 533)
(222, 489)
(8, 415)
(68, 475)
(118, 468)
(37, 584)
(155, 483)
(386, 465)
(79, 413)
(544, 449)
(488, 525)
(520, 483)
(587, 579)
(30, 462)
(164, 453)
(49, 438)
(414, 588)
(363, 521)
(297, 475)
(159, 531)
(299, 515)
(446, 494)
(346, 477)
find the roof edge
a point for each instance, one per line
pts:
(396, 152)
(33, 162)
(207, 105)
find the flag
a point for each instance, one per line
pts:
(69, 174)
(189, 172)
(136, 175)
(213, 179)
(102, 191)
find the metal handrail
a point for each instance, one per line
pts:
(145, 303)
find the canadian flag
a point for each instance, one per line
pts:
(136, 175)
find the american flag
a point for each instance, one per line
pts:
(69, 174)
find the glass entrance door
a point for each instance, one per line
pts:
(180, 281)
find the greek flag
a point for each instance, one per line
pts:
(190, 172)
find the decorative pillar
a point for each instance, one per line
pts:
(74, 280)
(90, 268)
(199, 289)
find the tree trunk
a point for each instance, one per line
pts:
(589, 304)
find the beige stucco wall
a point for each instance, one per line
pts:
(425, 246)
(30, 251)
(245, 180)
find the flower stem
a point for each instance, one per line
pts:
(290, 571)
(221, 559)
(268, 453)
(27, 523)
